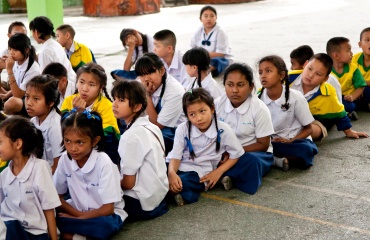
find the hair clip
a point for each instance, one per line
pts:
(90, 115)
(69, 113)
(190, 91)
(219, 135)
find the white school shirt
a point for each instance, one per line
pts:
(24, 197)
(52, 51)
(219, 41)
(171, 113)
(142, 155)
(288, 123)
(95, 184)
(21, 76)
(209, 84)
(70, 90)
(52, 132)
(297, 85)
(150, 45)
(204, 145)
(177, 69)
(251, 120)
(2, 230)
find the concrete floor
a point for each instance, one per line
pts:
(331, 200)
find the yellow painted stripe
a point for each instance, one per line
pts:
(287, 214)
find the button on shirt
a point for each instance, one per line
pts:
(249, 121)
(204, 145)
(288, 123)
(95, 184)
(24, 197)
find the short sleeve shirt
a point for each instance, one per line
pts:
(22, 76)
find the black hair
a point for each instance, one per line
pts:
(48, 86)
(22, 43)
(150, 63)
(208, 8)
(196, 96)
(64, 28)
(15, 24)
(98, 73)
(199, 57)
(302, 54)
(325, 59)
(134, 92)
(55, 69)
(363, 31)
(17, 127)
(279, 63)
(243, 69)
(126, 32)
(166, 36)
(333, 45)
(84, 123)
(43, 25)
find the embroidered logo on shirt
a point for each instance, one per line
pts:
(95, 184)
(222, 120)
(246, 123)
(68, 175)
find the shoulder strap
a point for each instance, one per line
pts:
(155, 135)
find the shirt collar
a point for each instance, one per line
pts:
(23, 66)
(24, 174)
(216, 27)
(210, 133)
(175, 61)
(207, 80)
(89, 165)
(242, 109)
(46, 123)
(141, 121)
(279, 101)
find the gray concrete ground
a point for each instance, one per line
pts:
(331, 200)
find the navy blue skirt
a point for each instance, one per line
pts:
(14, 230)
(136, 213)
(303, 149)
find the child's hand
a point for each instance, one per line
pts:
(349, 98)
(2, 64)
(354, 134)
(149, 87)
(131, 41)
(282, 140)
(79, 103)
(212, 178)
(175, 182)
(9, 63)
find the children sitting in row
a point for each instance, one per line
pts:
(77, 53)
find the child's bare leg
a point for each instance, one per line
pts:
(13, 105)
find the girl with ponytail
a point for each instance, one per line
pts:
(141, 148)
(290, 115)
(197, 64)
(205, 150)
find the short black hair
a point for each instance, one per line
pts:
(55, 69)
(333, 45)
(326, 60)
(167, 37)
(363, 31)
(43, 25)
(67, 28)
(15, 24)
(302, 54)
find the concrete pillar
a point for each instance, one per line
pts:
(53, 9)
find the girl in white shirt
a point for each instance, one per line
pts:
(141, 148)
(27, 194)
(213, 38)
(95, 209)
(205, 150)
(250, 119)
(164, 94)
(197, 62)
(136, 44)
(21, 66)
(290, 115)
(41, 99)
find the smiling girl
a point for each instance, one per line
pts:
(91, 82)
(250, 119)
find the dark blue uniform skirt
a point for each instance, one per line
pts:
(97, 228)
(219, 63)
(246, 175)
(168, 136)
(14, 230)
(130, 75)
(303, 149)
(136, 213)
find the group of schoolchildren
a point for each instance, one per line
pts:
(168, 133)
